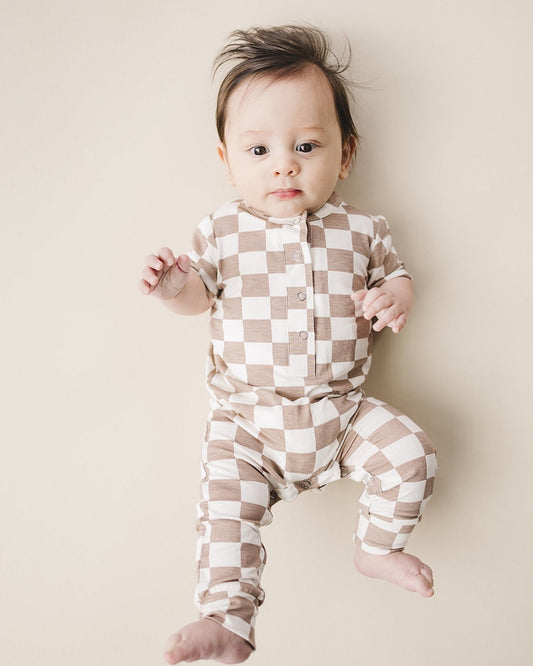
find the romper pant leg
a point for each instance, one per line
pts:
(235, 504)
(397, 463)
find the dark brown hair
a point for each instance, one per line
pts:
(282, 52)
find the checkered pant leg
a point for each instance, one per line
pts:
(234, 505)
(397, 463)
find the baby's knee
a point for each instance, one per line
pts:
(416, 479)
(415, 458)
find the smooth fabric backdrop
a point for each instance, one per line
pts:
(107, 152)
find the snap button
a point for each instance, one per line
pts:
(305, 484)
(301, 295)
(297, 256)
(303, 335)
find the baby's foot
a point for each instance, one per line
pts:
(206, 639)
(398, 568)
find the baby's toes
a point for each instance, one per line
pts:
(423, 583)
(419, 580)
(427, 573)
(178, 650)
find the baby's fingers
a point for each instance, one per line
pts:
(154, 261)
(398, 323)
(156, 265)
(150, 275)
(149, 280)
(377, 303)
(164, 258)
(358, 297)
(390, 318)
(145, 287)
(167, 256)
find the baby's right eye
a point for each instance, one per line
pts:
(258, 150)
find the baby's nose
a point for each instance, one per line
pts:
(286, 166)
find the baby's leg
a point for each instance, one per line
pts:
(235, 504)
(397, 463)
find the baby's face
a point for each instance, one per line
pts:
(283, 147)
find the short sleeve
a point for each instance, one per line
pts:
(384, 263)
(204, 254)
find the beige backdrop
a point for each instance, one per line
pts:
(107, 145)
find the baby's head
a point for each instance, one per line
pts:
(283, 118)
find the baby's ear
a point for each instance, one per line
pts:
(223, 154)
(348, 153)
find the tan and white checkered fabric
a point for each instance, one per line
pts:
(380, 447)
(287, 359)
(288, 353)
(397, 463)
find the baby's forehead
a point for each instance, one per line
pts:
(263, 82)
(309, 88)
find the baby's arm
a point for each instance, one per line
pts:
(171, 279)
(390, 303)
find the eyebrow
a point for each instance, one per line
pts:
(251, 133)
(312, 128)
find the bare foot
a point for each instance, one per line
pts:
(206, 639)
(399, 568)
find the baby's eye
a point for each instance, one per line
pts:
(306, 147)
(258, 150)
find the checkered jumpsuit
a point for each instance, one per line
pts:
(288, 356)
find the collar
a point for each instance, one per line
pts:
(326, 209)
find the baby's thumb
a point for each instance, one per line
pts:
(180, 272)
(183, 262)
(359, 295)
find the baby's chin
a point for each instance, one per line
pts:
(294, 208)
(279, 212)
(284, 207)
(275, 207)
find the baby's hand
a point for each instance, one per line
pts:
(385, 305)
(164, 276)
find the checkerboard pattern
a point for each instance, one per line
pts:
(283, 320)
(397, 462)
(287, 359)
(288, 353)
(235, 503)
(380, 447)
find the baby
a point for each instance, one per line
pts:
(295, 280)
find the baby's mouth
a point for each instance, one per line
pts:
(286, 193)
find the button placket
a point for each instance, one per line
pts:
(300, 320)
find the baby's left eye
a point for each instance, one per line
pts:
(306, 147)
